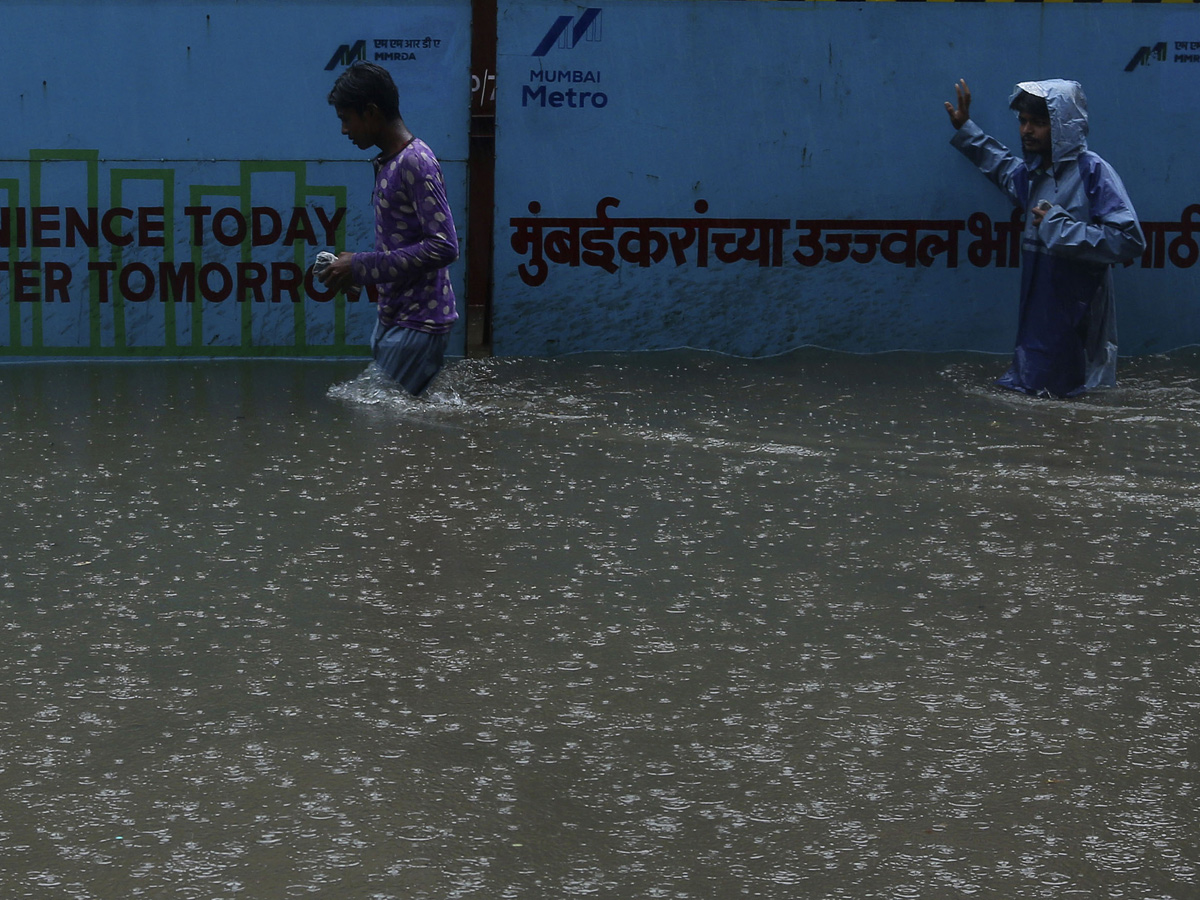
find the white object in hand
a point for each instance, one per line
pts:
(324, 260)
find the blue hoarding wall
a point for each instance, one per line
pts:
(743, 177)
(754, 177)
(168, 170)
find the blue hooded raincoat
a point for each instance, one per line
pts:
(1067, 330)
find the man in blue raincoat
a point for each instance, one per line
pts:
(1079, 222)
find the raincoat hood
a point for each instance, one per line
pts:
(1068, 115)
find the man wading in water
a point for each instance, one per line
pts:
(415, 238)
(1079, 222)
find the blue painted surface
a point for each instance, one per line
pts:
(696, 125)
(792, 113)
(156, 107)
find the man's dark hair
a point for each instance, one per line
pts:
(1027, 103)
(361, 85)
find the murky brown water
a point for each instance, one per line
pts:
(654, 626)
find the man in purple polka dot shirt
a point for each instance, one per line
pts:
(415, 238)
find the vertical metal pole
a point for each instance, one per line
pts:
(481, 178)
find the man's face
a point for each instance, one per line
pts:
(1035, 134)
(359, 127)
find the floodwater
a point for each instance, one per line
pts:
(640, 626)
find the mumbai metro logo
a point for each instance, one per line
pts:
(569, 87)
(567, 31)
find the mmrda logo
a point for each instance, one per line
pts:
(1145, 54)
(566, 33)
(346, 55)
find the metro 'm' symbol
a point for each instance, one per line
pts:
(567, 35)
